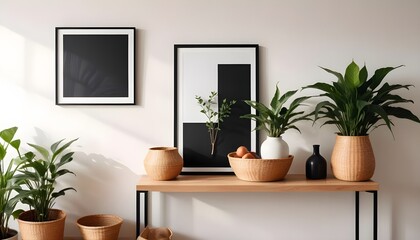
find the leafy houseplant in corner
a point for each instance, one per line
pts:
(40, 174)
(357, 105)
(8, 182)
(276, 120)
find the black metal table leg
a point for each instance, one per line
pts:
(139, 207)
(357, 199)
(375, 214)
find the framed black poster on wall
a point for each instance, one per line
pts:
(95, 66)
(231, 70)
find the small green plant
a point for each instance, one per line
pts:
(357, 105)
(40, 175)
(214, 117)
(8, 180)
(277, 118)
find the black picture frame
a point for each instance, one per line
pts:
(230, 69)
(95, 65)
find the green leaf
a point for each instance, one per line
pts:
(351, 76)
(44, 152)
(61, 149)
(62, 192)
(338, 75)
(274, 101)
(363, 74)
(379, 75)
(8, 134)
(15, 144)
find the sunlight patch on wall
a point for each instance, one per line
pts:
(12, 62)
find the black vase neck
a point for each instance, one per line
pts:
(316, 149)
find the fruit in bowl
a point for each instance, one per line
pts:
(243, 152)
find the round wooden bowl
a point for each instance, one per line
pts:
(260, 170)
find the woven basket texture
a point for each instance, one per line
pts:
(352, 158)
(50, 230)
(260, 170)
(163, 163)
(100, 227)
(155, 234)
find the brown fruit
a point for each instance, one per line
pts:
(248, 156)
(241, 151)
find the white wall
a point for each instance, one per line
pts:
(295, 37)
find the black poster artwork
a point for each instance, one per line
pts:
(225, 71)
(95, 66)
(234, 83)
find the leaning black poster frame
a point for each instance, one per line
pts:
(254, 134)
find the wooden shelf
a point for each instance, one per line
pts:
(222, 183)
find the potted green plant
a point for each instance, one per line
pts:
(275, 120)
(9, 183)
(357, 105)
(40, 174)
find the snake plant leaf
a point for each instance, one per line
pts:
(352, 75)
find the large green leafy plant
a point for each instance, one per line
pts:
(357, 105)
(277, 118)
(40, 175)
(9, 183)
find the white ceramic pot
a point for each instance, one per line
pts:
(274, 148)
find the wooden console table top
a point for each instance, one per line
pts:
(230, 183)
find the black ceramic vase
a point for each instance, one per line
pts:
(316, 165)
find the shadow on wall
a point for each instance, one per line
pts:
(102, 184)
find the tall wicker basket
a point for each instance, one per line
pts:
(352, 158)
(100, 227)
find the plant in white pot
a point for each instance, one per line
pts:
(276, 120)
(40, 174)
(9, 183)
(357, 105)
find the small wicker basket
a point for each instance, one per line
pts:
(155, 234)
(100, 227)
(260, 170)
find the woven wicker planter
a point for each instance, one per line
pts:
(260, 170)
(163, 163)
(155, 234)
(352, 158)
(100, 227)
(49, 230)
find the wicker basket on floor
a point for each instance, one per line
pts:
(100, 227)
(260, 170)
(155, 234)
